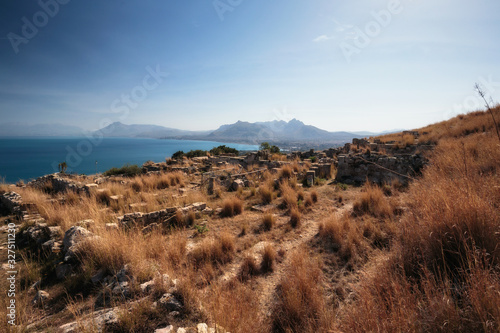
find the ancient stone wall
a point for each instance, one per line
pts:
(377, 168)
(58, 184)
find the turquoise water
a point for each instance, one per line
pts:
(29, 158)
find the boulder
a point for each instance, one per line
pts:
(237, 184)
(74, 236)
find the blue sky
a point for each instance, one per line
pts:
(338, 65)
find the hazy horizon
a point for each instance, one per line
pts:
(365, 66)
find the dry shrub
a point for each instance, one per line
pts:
(314, 196)
(295, 217)
(301, 195)
(175, 250)
(248, 269)
(268, 259)
(308, 202)
(113, 249)
(286, 172)
(137, 185)
(289, 195)
(268, 221)
(300, 304)
(216, 251)
(266, 193)
(373, 202)
(408, 140)
(103, 197)
(231, 207)
(180, 219)
(190, 218)
(343, 236)
(235, 307)
(163, 181)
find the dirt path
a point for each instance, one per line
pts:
(267, 285)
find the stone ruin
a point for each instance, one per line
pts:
(376, 168)
(60, 185)
(162, 218)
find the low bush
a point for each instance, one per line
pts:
(231, 207)
(268, 259)
(268, 221)
(248, 269)
(126, 170)
(295, 217)
(373, 202)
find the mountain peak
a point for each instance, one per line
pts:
(296, 122)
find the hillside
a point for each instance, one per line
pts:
(269, 243)
(118, 129)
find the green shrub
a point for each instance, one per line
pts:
(126, 170)
(223, 150)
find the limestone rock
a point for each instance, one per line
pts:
(146, 287)
(237, 184)
(74, 236)
(40, 297)
(168, 329)
(170, 303)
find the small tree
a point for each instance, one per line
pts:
(275, 149)
(62, 167)
(178, 155)
(265, 146)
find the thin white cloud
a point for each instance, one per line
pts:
(322, 38)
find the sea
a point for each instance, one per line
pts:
(26, 158)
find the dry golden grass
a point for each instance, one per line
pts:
(460, 126)
(442, 272)
(344, 237)
(286, 172)
(216, 251)
(235, 308)
(314, 196)
(300, 304)
(268, 221)
(248, 269)
(266, 193)
(232, 206)
(295, 217)
(268, 259)
(289, 195)
(373, 202)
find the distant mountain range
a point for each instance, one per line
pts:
(293, 133)
(118, 129)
